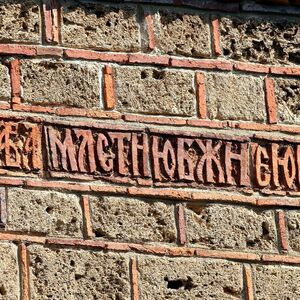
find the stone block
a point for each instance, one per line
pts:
(230, 227)
(9, 273)
(20, 21)
(87, 24)
(189, 278)
(155, 91)
(58, 83)
(276, 282)
(288, 100)
(45, 212)
(133, 220)
(180, 32)
(5, 88)
(235, 97)
(77, 274)
(261, 40)
(293, 225)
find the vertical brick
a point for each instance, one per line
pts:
(3, 208)
(282, 230)
(109, 88)
(216, 36)
(15, 80)
(180, 214)
(150, 31)
(248, 285)
(201, 95)
(134, 279)
(87, 223)
(24, 271)
(270, 100)
(51, 20)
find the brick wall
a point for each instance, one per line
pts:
(149, 149)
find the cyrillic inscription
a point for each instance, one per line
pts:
(174, 159)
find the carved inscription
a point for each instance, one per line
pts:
(20, 146)
(173, 159)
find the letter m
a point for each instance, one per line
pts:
(61, 155)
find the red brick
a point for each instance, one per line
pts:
(216, 36)
(248, 282)
(15, 79)
(76, 187)
(282, 230)
(134, 278)
(154, 120)
(19, 237)
(18, 49)
(150, 31)
(24, 271)
(51, 20)
(181, 224)
(92, 55)
(254, 68)
(285, 71)
(201, 95)
(281, 259)
(49, 51)
(270, 100)
(33, 108)
(109, 88)
(149, 59)
(87, 222)
(201, 64)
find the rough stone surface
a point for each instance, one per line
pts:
(235, 97)
(288, 100)
(276, 282)
(172, 279)
(293, 224)
(230, 227)
(20, 21)
(182, 34)
(9, 277)
(5, 89)
(133, 220)
(261, 40)
(155, 91)
(57, 83)
(50, 213)
(70, 274)
(97, 26)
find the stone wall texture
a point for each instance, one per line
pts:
(149, 150)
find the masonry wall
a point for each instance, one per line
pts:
(149, 150)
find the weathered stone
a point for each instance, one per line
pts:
(9, 277)
(261, 40)
(133, 220)
(57, 83)
(20, 21)
(71, 274)
(185, 278)
(276, 282)
(293, 224)
(288, 100)
(51, 213)
(182, 33)
(155, 91)
(5, 90)
(99, 26)
(230, 227)
(235, 97)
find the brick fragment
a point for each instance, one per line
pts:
(248, 282)
(150, 31)
(201, 95)
(282, 230)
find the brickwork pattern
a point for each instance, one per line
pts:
(224, 76)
